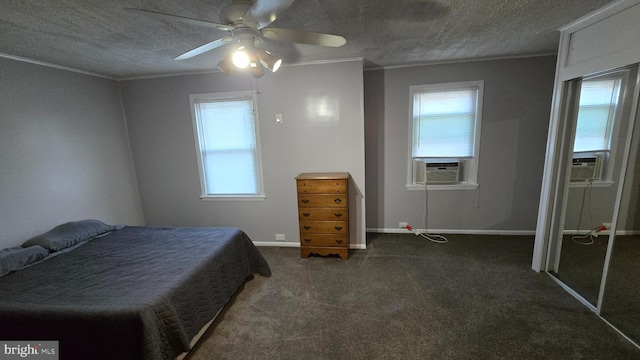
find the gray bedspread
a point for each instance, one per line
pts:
(137, 293)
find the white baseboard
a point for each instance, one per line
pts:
(437, 231)
(276, 243)
(603, 232)
(453, 231)
(297, 244)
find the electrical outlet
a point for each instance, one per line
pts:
(279, 237)
(607, 226)
(403, 224)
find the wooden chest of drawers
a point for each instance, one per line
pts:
(323, 213)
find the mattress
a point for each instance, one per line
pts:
(136, 293)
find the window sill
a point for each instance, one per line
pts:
(232, 197)
(595, 184)
(456, 186)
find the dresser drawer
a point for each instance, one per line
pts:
(323, 227)
(324, 240)
(322, 200)
(314, 186)
(323, 214)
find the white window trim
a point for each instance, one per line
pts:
(471, 180)
(457, 186)
(594, 184)
(260, 196)
(232, 197)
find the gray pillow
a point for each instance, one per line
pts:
(69, 234)
(16, 258)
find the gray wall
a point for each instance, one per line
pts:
(162, 137)
(517, 101)
(64, 152)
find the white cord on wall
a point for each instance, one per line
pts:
(592, 234)
(431, 237)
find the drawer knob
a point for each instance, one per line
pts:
(339, 241)
(338, 228)
(306, 214)
(337, 214)
(308, 240)
(305, 200)
(337, 200)
(307, 227)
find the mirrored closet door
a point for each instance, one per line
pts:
(593, 254)
(621, 303)
(598, 110)
(588, 230)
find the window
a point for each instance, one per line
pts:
(596, 113)
(445, 134)
(225, 126)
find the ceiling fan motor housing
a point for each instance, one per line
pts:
(234, 12)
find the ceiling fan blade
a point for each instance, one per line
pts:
(183, 19)
(264, 12)
(206, 47)
(303, 37)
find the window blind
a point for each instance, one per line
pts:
(596, 113)
(228, 146)
(444, 123)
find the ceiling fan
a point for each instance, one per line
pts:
(247, 22)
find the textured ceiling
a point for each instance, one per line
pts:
(98, 36)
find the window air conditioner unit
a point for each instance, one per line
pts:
(586, 168)
(436, 172)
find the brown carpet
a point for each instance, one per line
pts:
(475, 297)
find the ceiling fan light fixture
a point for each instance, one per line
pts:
(269, 60)
(254, 64)
(276, 66)
(226, 65)
(240, 58)
(257, 71)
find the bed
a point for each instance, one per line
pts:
(127, 292)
